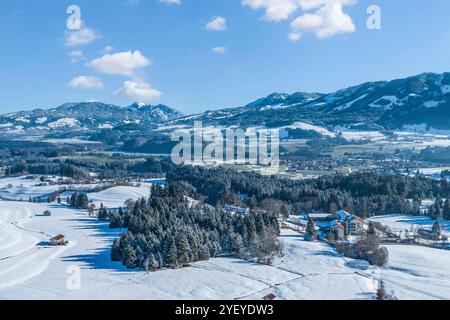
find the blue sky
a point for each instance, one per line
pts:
(156, 52)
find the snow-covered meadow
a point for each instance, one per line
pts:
(406, 223)
(25, 187)
(31, 269)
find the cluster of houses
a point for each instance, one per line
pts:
(344, 225)
(228, 208)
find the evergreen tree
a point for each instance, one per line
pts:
(116, 221)
(437, 228)
(172, 256)
(204, 253)
(446, 210)
(116, 254)
(79, 200)
(183, 249)
(103, 214)
(237, 244)
(151, 264)
(284, 211)
(129, 257)
(310, 228)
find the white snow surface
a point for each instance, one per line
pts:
(380, 102)
(354, 135)
(30, 269)
(349, 104)
(433, 104)
(22, 188)
(445, 89)
(116, 196)
(310, 127)
(416, 273)
(64, 122)
(41, 120)
(398, 222)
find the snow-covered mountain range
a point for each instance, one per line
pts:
(418, 102)
(85, 116)
(421, 101)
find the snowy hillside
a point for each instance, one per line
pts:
(30, 269)
(39, 271)
(116, 196)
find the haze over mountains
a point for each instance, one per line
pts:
(418, 102)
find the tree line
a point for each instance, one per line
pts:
(365, 193)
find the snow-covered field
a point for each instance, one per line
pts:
(116, 196)
(31, 269)
(402, 223)
(21, 188)
(417, 272)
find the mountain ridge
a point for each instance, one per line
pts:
(422, 100)
(87, 116)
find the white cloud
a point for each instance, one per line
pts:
(86, 82)
(171, 1)
(107, 49)
(122, 63)
(323, 18)
(275, 9)
(217, 24)
(220, 50)
(76, 55)
(294, 36)
(326, 22)
(81, 37)
(139, 91)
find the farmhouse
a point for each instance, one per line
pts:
(59, 240)
(353, 225)
(431, 238)
(424, 210)
(236, 209)
(343, 224)
(270, 297)
(324, 223)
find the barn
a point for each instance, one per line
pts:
(59, 240)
